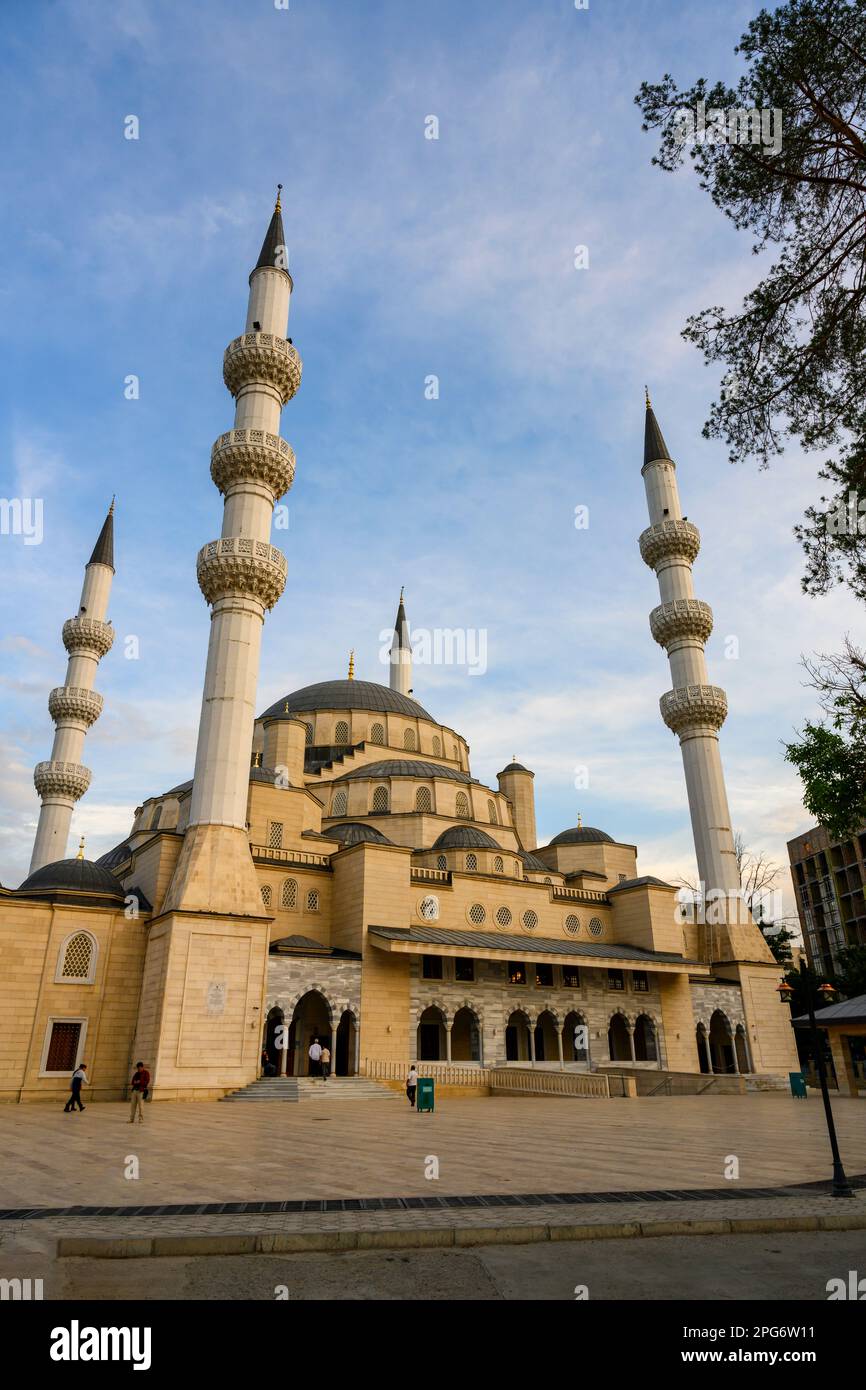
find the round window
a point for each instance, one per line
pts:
(530, 920)
(429, 908)
(477, 914)
(596, 927)
(572, 924)
(503, 917)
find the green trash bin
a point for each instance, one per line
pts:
(425, 1097)
(798, 1085)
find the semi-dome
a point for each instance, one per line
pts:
(404, 767)
(534, 864)
(465, 837)
(73, 876)
(583, 835)
(354, 833)
(347, 694)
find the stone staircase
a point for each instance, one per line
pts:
(307, 1088)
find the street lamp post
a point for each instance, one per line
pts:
(841, 1185)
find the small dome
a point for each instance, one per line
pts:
(515, 767)
(354, 833)
(346, 695)
(465, 837)
(582, 835)
(534, 864)
(404, 767)
(73, 876)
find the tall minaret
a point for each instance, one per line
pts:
(401, 653)
(75, 705)
(694, 709)
(241, 576)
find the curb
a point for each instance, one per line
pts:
(447, 1237)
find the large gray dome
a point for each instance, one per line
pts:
(465, 837)
(354, 833)
(73, 876)
(347, 694)
(583, 835)
(404, 767)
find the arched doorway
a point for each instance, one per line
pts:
(517, 1038)
(721, 1043)
(743, 1063)
(274, 1020)
(617, 1040)
(546, 1045)
(703, 1050)
(645, 1049)
(431, 1036)
(465, 1036)
(311, 1019)
(575, 1039)
(347, 1028)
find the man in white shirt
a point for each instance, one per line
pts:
(79, 1079)
(412, 1084)
(315, 1058)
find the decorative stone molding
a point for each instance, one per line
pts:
(237, 565)
(253, 454)
(693, 707)
(87, 636)
(682, 617)
(61, 779)
(666, 540)
(262, 357)
(74, 702)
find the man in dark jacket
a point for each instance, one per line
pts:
(139, 1087)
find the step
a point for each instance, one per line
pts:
(304, 1088)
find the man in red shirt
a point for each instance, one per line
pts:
(140, 1086)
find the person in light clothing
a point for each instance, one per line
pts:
(412, 1084)
(315, 1058)
(79, 1079)
(326, 1063)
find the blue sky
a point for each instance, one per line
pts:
(410, 257)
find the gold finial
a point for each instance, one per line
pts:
(646, 393)
(352, 664)
(278, 207)
(579, 821)
(80, 854)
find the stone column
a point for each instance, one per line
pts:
(630, 1030)
(559, 1033)
(846, 1077)
(333, 1048)
(734, 1054)
(357, 1046)
(448, 1027)
(532, 1044)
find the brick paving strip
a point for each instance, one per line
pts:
(238, 1228)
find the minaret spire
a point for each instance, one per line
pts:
(241, 576)
(401, 652)
(693, 709)
(75, 706)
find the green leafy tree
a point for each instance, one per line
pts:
(851, 971)
(831, 757)
(778, 941)
(794, 354)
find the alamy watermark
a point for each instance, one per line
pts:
(22, 516)
(735, 127)
(440, 646)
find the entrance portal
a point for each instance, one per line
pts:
(311, 1020)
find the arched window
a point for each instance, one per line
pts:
(409, 740)
(380, 799)
(437, 746)
(308, 736)
(267, 895)
(157, 817)
(471, 863)
(463, 805)
(339, 804)
(289, 896)
(313, 900)
(498, 865)
(491, 813)
(441, 862)
(423, 799)
(377, 733)
(77, 960)
(341, 732)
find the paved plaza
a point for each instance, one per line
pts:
(212, 1152)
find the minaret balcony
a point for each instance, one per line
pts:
(87, 637)
(252, 455)
(72, 702)
(262, 358)
(670, 540)
(681, 619)
(694, 707)
(61, 779)
(235, 566)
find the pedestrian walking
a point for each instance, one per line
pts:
(412, 1084)
(79, 1079)
(315, 1058)
(140, 1089)
(326, 1063)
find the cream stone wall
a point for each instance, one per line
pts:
(648, 917)
(771, 1037)
(608, 859)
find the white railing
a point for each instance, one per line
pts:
(446, 1073)
(548, 1083)
(290, 856)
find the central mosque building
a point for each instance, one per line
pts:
(334, 870)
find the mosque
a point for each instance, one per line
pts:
(334, 867)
